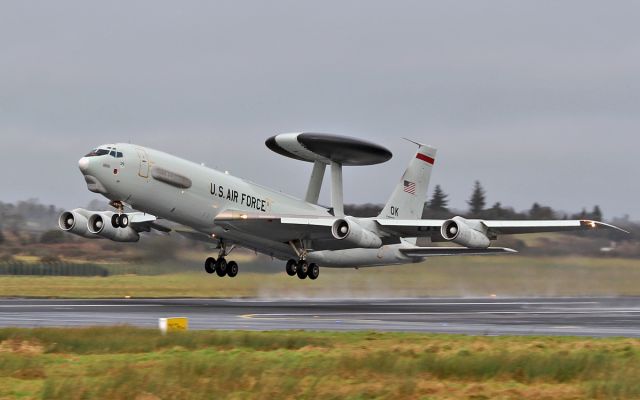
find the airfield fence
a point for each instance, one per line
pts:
(52, 269)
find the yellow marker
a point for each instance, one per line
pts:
(173, 324)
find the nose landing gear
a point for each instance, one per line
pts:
(220, 266)
(120, 219)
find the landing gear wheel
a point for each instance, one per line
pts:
(115, 221)
(292, 267)
(232, 269)
(210, 265)
(303, 269)
(123, 220)
(221, 267)
(313, 271)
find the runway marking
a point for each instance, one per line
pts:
(67, 306)
(444, 313)
(486, 303)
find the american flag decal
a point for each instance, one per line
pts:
(410, 187)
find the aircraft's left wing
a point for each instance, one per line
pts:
(284, 228)
(431, 227)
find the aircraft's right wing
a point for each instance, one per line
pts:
(281, 228)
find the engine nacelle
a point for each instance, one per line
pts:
(100, 224)
(349, 230)
(468, 233)
(75, 221)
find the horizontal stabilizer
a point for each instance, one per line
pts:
(453, 251)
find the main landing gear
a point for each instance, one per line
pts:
(220, 266)
(302, 269)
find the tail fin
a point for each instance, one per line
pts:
(407, 200)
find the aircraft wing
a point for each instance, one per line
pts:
(281, 228)
(431, 227)
(284, 228)
(142, 222)
(453, 251)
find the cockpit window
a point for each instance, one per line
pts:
(97, 152)
(105, 150)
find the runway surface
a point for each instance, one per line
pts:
(485, 316)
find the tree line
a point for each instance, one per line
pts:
(438, 207)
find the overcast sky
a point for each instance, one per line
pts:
(539, 100)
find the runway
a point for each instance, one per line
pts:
(481, 316)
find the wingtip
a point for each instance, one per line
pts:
(597, 224)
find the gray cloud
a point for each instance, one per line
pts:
(538, 100)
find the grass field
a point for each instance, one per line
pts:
(453, 276)
(130, 363)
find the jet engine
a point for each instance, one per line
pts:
(75, 221)
(100, 224)
(349, 230)
(468, 233)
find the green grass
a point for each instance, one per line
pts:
(447, 276)
(130, 363)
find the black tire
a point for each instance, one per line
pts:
(292, 267)
(210, 265)
(123, 220)
(303, 269)
(232, 269)
(313, 271)
(115, 221)
(221, 266)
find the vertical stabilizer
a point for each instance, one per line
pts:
(407, 200)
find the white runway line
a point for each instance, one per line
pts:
(76, 305)
(492, 303)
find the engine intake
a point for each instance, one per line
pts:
(352, 232)
(100, 224)
(75, 221)
(468, 233)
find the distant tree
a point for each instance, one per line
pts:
(439, 200)
(2, 238)
(582, 215)
(496, 212)
(477, 202)
(363, 210)
(596, 213)
(541, 212)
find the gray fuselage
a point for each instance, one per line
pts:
(193, 195)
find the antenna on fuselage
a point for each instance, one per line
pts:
(326, 149)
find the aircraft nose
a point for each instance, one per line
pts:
(83, 164)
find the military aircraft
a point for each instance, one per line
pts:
(217, 207)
